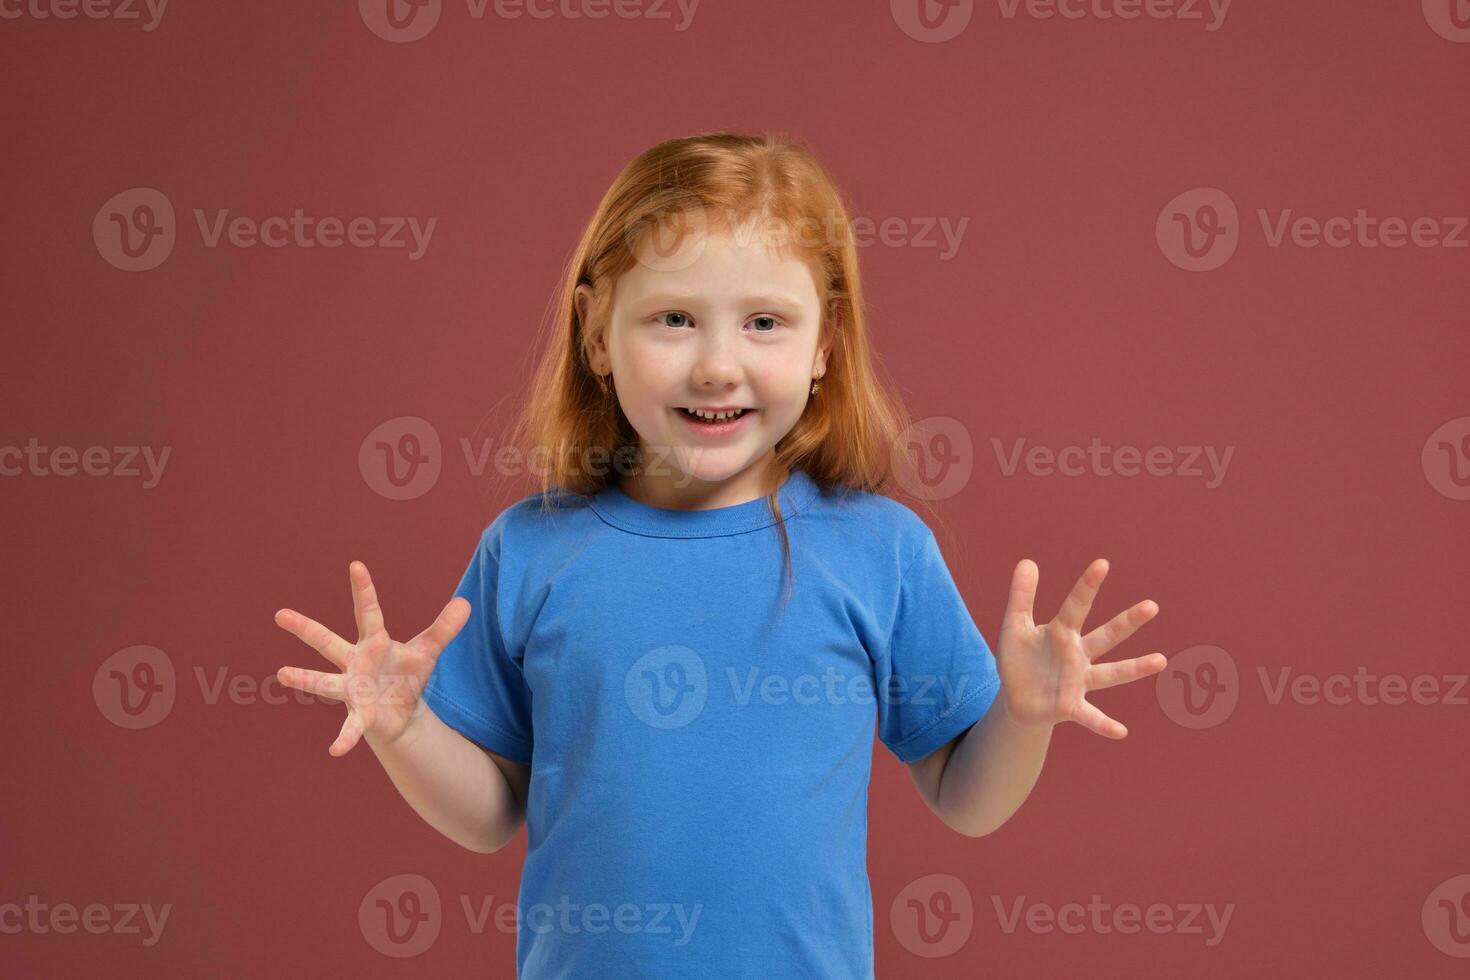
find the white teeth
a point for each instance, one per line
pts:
(715, 416)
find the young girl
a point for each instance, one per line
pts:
(670, 661)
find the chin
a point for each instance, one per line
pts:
(709, 465)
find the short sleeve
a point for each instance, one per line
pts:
(477, 687)
(937, 676)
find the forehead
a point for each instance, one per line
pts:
(717, 264)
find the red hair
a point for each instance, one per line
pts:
(571, 419)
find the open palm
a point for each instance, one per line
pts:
(381, 680)
(1047, 671)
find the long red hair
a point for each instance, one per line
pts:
(571, 426)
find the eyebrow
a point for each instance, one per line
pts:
(676, 299)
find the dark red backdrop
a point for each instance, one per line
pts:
(1076, 150)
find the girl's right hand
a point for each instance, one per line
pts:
(381, 679)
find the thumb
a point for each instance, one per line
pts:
(451, 620)
(1022, 597)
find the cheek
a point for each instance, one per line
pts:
(781, 386)
(772, 381)
(647, 375)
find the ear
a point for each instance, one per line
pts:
(824, 345)
(582, 300)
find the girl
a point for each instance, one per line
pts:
(688, 744)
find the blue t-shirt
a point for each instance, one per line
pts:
(699, 751)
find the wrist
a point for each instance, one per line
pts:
(407, 736)
(1027, 727)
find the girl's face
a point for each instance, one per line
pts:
(722, 323)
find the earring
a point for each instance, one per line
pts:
(815, 387)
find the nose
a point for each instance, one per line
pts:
(716, 364)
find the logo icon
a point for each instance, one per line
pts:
(401, 916)
(1199, 230)
(400, 21)
(1450, 19)
(1446, 459)
(667, 687)
(401, 458)
(135, 687)
(933, 916)
(932, 21)
(135, 230)
(1199, 688)
(934, 458)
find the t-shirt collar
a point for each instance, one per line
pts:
(621, 510)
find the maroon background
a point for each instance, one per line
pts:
(1326, 547)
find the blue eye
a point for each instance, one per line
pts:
(684, 317)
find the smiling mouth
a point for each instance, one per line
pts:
(739, 413)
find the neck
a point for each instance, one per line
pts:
(672, 489)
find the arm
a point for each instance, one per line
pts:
(976, 782)
(473, 796)
(469, 794)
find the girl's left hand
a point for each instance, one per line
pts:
(1046, 671)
